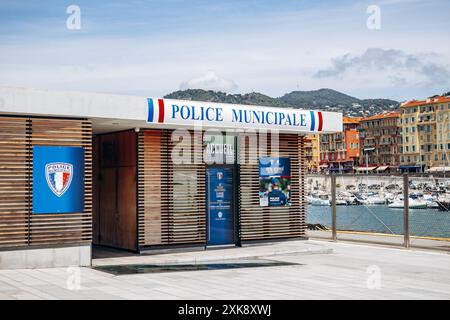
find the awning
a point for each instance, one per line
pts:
(382, 168)
(364, 169)
(409, 167)
(340, 169)
(438, 169)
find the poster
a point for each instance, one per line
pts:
(58, 179)
(219, 196)
(274, 182)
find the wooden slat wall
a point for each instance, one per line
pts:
(18, 227)
(169, 215)
(302, 182)
(259, 223)
(66, 227)
(152, 191)
(14, 181)
(187, 195)
(171, 197)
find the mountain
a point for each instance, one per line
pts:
(253, 98)
(323, 99)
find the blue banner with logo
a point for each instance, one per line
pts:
(219, 195)
(58, 179)
(274, 182)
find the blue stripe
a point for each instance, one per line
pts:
(150, 110)
(313, 121)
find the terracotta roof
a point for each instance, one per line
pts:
(348, 120)
(415, 103)
(392, 114)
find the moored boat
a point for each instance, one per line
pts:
(412, 204)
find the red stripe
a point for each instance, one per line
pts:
(65, 178)
(161, 110)
(320, 121)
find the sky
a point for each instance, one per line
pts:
(151, 48)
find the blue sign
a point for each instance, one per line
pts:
(270, 167)
(219, 195)
(274, 182)
(58, 179)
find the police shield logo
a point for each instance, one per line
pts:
(59, 177)
(220, 175)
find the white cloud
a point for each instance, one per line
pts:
(209, 81)
(377, 66)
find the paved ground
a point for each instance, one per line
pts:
(106, 256)
(352, 271)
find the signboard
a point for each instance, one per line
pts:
(219, 149)
(219, 195)
(221, 115)
(274, 182)
(58, 179)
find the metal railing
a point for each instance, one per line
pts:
(408, 221)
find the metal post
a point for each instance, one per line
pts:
(406, 211)
(367, 162)
(333, 206)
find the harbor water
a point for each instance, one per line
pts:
(382, 219)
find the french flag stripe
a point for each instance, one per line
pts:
(151, 110)
(161, 110)
(313, 120)
(320, 121)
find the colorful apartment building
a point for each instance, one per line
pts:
(380, 142)
(340, 152)
(312, 153)
(425, 133)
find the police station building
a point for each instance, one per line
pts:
(140, 174)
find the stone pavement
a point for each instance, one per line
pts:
(199, 255)
(351, 271)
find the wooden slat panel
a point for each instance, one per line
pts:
(152, 211)
(171, 213)
(258, 223)
(14, 181)
(18, 227)
(52, 229)
(171, 196)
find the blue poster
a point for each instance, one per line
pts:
(219, 195)
(58, 179)
(274, 182)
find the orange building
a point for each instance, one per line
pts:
(312, 153)
(426, 135)
(340, 152)
(380, 142)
